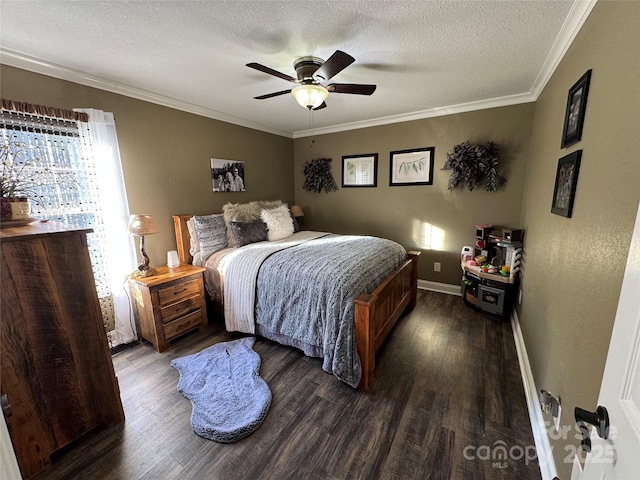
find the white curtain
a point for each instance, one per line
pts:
(100, 145)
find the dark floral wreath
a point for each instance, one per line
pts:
(317, 176)
(472, 164)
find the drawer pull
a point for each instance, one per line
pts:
(183, 290)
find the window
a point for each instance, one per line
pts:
(70, 187)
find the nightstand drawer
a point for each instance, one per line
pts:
(178, 292)
(183, 324)
(179, 309)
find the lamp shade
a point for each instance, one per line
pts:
(310, 96)
(296, 211)
(142, 225)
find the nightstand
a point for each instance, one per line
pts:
(169, 303)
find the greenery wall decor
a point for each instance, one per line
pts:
(317, 176)
(473, 164)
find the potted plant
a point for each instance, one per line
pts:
(473, 164)
(22, 176)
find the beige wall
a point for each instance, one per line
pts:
(402, 213)
(573, 267)
(165, 153)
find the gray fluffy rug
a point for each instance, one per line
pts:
(228, 397)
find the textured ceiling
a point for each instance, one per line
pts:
(426, 57)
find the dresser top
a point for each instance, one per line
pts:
(37, 228)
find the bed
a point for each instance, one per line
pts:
(366, 318)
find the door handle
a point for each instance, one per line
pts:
(599, 419)
(6, 406)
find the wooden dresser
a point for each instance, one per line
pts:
(57, 378)
(169, 303)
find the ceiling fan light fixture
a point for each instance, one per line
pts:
(310, 96)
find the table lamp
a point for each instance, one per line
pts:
(296, 211)
(141, 225)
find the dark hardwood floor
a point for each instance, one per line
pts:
(446, 403)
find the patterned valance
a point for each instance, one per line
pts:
(53, 112)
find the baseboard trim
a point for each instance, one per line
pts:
(540, 435)
(439, 287)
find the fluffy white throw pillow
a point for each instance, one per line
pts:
(279, 223)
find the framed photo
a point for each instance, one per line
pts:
(227, 175)
(360, 170)
(564, 191)
(412, 167)
(574, 115)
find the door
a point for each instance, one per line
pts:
(618, 457)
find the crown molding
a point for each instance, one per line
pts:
(422, 114)
(578, 14)
(36, 65)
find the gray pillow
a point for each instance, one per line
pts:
(212, 234)
(244, 233)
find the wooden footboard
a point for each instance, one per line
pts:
(377, 313)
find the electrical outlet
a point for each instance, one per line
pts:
(556, 420)
(436, 266)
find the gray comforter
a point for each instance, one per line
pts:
(304, 295)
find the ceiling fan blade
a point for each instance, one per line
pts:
(275, 94)
(322, 105)
(271, 71)
(353, 88)
(334, 65)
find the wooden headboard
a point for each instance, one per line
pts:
(183, 239)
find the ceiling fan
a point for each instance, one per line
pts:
(312, 73)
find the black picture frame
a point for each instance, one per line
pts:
(564, 191)
(411, 167)
(574, 114)
(360, 170)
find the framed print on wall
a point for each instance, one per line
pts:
(564, 191)
(574, 114)
(227, 175)
(412, 167)
(360, 170)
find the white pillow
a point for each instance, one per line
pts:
(279, 223)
